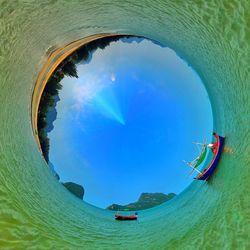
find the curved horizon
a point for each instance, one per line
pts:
(117, 123)
(38, 212)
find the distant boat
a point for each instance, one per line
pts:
(125, 217)
(217, 151)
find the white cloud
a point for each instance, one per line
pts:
(113, 77)
(85, 92)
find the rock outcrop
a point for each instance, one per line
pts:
(146, 200)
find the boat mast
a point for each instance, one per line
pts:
(197, 161)
(194, 168)
(190, 165)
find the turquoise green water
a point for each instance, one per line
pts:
(37, 213)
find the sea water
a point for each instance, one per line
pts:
(36, 212)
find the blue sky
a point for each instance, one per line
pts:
(125, 125)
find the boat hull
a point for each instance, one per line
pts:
(206, 173)
(123, 217)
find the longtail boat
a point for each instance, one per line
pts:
(125, 217)
(217, 148)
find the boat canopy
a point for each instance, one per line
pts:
(201, 157)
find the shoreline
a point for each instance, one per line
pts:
(55, 57)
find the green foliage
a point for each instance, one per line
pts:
(69, 69)
(82, 54)
(44, 142)
(47, 100)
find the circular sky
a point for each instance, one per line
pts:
(125, 125)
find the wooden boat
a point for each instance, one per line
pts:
(207, 172)
(125, 217)
(217, 148)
